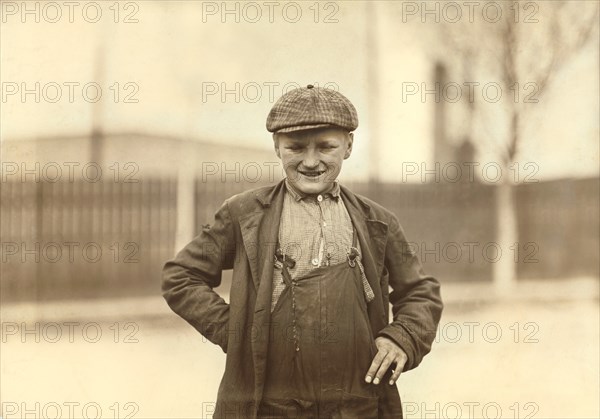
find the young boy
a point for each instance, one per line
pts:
(306, 332)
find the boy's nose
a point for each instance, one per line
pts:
(311, 160)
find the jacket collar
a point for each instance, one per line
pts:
(355, 201)
(266, 196)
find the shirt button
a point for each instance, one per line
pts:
(315, 261)
(320, 198)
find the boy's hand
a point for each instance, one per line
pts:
(388, 354)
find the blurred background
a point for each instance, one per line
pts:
(126, 124)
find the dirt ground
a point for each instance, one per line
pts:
(519, 359)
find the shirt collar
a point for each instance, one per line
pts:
(298, 196)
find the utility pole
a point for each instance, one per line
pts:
(372, 54)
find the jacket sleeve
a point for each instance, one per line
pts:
(415, 298)
(188, 279)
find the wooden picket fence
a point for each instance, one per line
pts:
(81, 240)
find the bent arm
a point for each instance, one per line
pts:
(188, 279)
(416, 301)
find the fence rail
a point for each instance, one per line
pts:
(81, 239)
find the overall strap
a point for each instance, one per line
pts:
(354, 258)
(284, 262)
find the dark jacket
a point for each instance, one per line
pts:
(244, 237)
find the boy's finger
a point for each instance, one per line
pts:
(397, 372)
(387, 361)
(379, 357)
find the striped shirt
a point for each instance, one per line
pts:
(313, 231)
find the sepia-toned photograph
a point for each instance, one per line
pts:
(354, 209)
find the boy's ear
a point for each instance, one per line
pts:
(349, 143)
(276, 145)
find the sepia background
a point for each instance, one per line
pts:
(126, 124)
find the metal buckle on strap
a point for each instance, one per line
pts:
(352, 254)
(281, 258)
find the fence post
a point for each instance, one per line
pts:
(184, 230)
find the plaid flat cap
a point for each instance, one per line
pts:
(311, 107)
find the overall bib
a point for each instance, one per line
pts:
(321, 346)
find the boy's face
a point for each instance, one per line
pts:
(312, 159)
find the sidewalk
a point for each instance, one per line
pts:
(455, 295)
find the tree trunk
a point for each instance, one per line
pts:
(504, 268)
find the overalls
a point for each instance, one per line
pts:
(321, 346)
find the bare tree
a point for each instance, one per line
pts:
(525, 46)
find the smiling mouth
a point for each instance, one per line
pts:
(312, 174)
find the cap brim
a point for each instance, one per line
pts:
(307, 127)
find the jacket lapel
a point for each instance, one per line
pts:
(372, 238)
(260, 231)
(249, 226)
